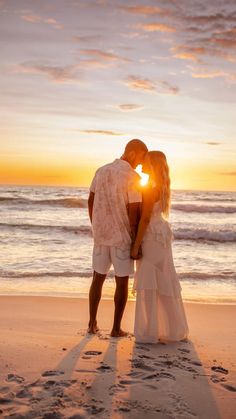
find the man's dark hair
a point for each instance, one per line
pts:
(135, 145)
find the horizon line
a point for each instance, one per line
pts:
(87, 187)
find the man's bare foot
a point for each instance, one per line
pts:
(93, 328)
(118, 333)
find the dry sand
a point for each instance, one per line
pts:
(50, 368)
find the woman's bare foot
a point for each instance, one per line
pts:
(93, 328)
(118, 333)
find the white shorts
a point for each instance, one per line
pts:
(105, 256)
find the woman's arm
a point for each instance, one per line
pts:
(147, 206)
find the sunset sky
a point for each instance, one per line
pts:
(80, 78)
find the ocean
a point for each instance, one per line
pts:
(46, 243)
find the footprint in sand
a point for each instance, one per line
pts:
(123, 409)
(52, 373)
(49, 383)
(135, 374)
(52, 415)
(143, 348)
(35, 383)
(94, 410)
(216, 379)
(168, 363)
(129, 382)
(150, 376)
(5, 400)
(220, 369)
(92, 353)
(82, 414)
(197, 363)
(61, 383)
(229, 387)
(187, 351)
(4, 389)
(184, 358)
(116, 388)
(15, 377)
(137, 363)
(167, 375)
(24, 393)
(104, 368)
(146, 357)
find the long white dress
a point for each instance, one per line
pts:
(159, 312)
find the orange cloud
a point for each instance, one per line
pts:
(40, 19)
(146, 10)
(92, 63)
(140, 84)
(130, 107)
(32, 18)
(69, 73)
(187, 52)
(205, 73)
(103, 132)
(59, 74)
(103, 55)
(186, 56)
(209, 75)
(156, 27)
(162, 87)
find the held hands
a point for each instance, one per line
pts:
(136, 252)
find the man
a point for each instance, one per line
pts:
(114, 208)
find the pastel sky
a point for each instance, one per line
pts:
(79, 78)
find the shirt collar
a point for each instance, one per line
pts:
(124, 163)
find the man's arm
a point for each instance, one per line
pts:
(90, 205)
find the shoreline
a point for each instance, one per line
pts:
(78, 297)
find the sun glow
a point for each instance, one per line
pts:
(144, 176)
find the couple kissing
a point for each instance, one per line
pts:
(130, 223)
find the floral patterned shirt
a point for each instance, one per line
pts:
(115, 186)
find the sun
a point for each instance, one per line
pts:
(144, 176)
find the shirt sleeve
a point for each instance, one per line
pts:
(134, 190)
(93, 184)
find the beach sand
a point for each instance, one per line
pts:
(50, 368)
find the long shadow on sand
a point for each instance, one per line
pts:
(68, 363)
(117, 378)
(47, 397)
(101, 392)
(171, 381)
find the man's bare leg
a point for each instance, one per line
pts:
(95, 293)
(120, 299)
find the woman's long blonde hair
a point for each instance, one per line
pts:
(161, 177)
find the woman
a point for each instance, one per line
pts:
(159, 313)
